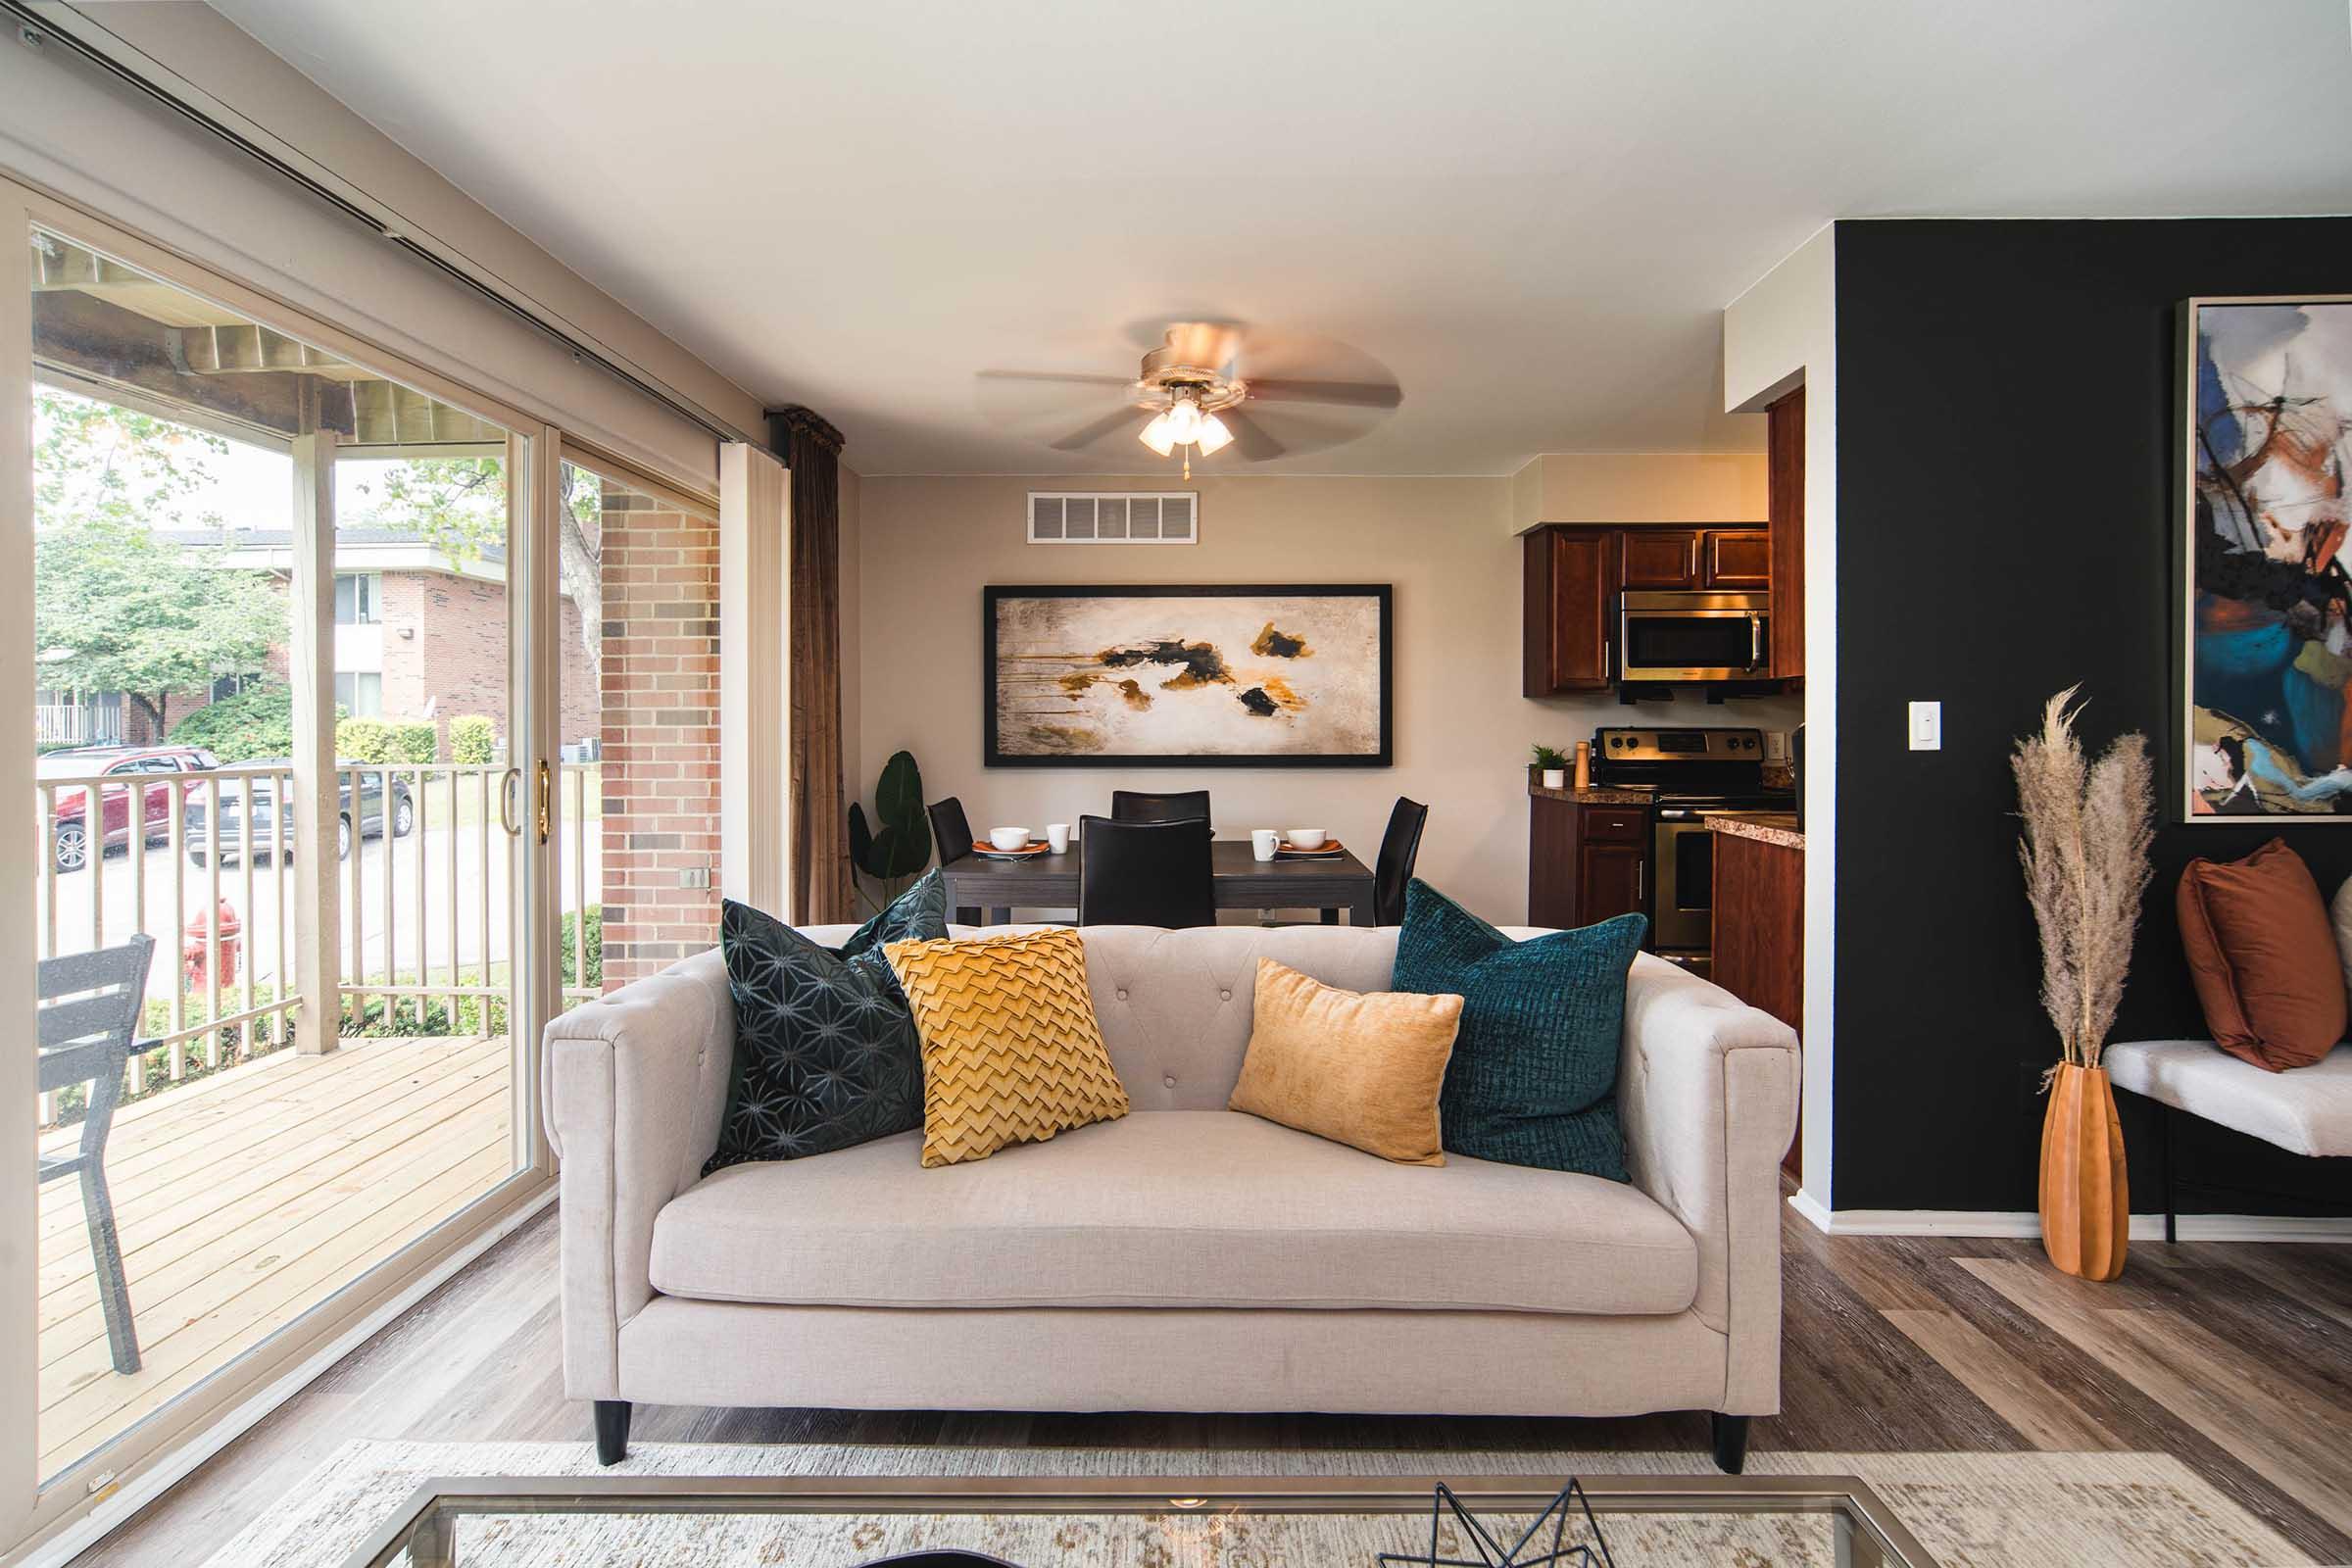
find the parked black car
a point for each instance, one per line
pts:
(203, 834)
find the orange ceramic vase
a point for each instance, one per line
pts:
(2085, 1198)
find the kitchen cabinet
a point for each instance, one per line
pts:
(1586, 860)
(1569, 577)
(1785, 488)
(1659, 557)
(1735, 557)
(1761, 929)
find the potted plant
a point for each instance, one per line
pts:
(2085, 850)
(1554, 766)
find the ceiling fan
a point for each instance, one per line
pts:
(1192, 390)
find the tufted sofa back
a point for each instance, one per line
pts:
(1174, 1006)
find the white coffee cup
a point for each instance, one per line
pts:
(1008, 838)
(1264, 842)
(1307, 838)
(1057, 836)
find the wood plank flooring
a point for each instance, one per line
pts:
(244, 1200)
(2235, 1358)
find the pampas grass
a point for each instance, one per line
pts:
(2085, 850)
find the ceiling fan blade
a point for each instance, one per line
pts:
(1355, 394)
(1086, 435)
(1250, 437)
(1074, 378)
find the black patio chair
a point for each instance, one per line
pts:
(1145, 873)
(1139, 806)
(90, 1005)
(1399, 848)
(951, 832)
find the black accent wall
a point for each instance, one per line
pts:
(2005, 411)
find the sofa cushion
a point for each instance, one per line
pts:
(1534, 1075)
(1359, 1069)
(825, 1053)
(1171, 1209)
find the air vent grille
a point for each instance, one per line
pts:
(1114, 517)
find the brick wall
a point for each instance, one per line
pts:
(661, 729)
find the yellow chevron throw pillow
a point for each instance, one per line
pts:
(1011, 1053)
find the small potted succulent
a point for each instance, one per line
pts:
(1554, 765)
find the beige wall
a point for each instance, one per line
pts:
(928, 545)
(1639, 487)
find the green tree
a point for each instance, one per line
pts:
(115, 607)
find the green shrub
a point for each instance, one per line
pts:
(258, 721)
(473, 739)
(591, 948)
(381, 741)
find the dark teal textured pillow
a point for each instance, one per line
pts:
(1534, 1075)
(825, 1050)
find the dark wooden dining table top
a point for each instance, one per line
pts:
(1238, 880)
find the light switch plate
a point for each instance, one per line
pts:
(1926, 727)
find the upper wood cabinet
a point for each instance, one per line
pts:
(1659, 557)
(1784, 481)
(1568, 577)
(1735, 558)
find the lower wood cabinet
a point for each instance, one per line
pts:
(1585, 861)
(1760, 932)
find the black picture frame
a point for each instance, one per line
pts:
(994, 594)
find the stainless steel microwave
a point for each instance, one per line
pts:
(1684, 635)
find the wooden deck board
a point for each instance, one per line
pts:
(245, 1200)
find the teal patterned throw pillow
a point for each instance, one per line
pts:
(825, 1050)
(1534, 1075)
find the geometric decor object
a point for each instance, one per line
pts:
(1491, 1553)
(1227, 676)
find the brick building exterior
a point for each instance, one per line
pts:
(660, 730)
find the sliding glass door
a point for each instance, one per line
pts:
(291, 622)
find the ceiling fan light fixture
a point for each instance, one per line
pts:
(1156, 436)
(1214, 437)
(1184, 419)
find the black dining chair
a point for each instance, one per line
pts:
(1136, 805)
(951, 832)
(1145, 873)
(88, 1015)
(1399, 848)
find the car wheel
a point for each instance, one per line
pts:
(73, 846)
(404, 817)
(342, 837)
(196, 858)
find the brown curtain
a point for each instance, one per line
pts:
(821, 890)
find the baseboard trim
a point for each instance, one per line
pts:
(1811, 1208)
(2026, 1225)
(72, 1538)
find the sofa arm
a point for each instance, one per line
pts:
(1708, 1092)
(635, 1086)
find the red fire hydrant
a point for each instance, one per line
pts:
(194, 945)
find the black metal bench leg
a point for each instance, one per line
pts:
(611, 1431)
(105, 1258)
(2172, 1221)
(1730, 1433)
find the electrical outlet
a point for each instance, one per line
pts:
(1926, 727)
(695, 876)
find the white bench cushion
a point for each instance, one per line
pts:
(2306, 1109)
(1171, 1209)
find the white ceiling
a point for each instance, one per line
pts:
(1530, 212)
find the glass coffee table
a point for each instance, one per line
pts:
(1127, 1522)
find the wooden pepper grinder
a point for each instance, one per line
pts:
(1583, 764)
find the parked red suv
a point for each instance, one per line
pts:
(69, 831)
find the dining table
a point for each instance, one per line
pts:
(1238, 880)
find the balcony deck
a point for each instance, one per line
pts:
(246, 1199)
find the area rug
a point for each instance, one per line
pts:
(1971, 1510)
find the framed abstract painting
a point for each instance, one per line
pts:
(2265, 666)
(1194, 676)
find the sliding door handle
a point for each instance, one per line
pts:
(547, 799)
(508, 801)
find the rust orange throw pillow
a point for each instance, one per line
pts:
(2263, 957)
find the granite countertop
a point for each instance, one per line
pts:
(1595, 794)
(1765, 827)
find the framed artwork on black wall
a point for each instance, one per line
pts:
(2264, 676)
(1250, 676)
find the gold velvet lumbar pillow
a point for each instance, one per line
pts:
(1358, 1068)
(1011, 1053)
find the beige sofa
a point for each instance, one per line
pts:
(1186, 1258)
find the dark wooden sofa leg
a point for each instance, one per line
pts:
(1731, 1442)
(611, 1431)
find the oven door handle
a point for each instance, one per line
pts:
(1676, 813)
